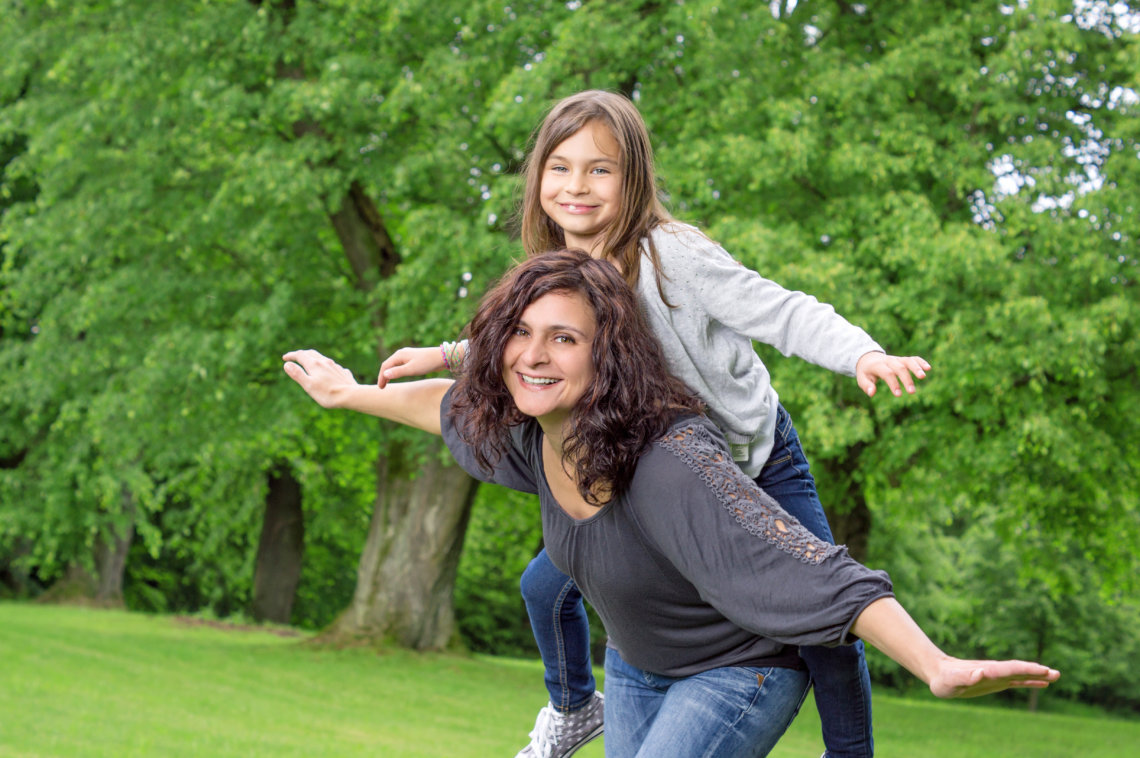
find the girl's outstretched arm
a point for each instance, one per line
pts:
(886, 625)
(892, 369)
(414, 404)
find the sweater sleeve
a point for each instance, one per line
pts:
(707, 278)
(513, 470)
(746, 556)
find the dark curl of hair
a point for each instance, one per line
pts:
(630, 403)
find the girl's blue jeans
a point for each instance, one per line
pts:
(729, 712)
(839, 674)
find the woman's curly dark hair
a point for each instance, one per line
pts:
(631, 401)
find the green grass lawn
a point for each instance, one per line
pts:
(84, 682)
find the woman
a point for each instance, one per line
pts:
(705, 585)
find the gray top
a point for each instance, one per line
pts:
(694, 567)
(721, 307)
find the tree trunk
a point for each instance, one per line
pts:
(407, 571)
(111, 548)
(843, 501)
(279, 550)
(14, 579)
(853, 526)
(110, 563)
(1042, 645)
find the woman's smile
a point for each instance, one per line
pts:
(537, 381)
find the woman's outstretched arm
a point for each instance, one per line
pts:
(414, 404)
(886, 625)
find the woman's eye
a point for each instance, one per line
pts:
(564, 339)
(519, 332)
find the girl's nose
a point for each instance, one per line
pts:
(576, 183)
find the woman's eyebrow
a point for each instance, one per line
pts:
(555, 328)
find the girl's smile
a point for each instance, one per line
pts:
(577, 208)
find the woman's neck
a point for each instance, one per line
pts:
(560, 469)
(555, 433)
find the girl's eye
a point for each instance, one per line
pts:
(600, 170)
(558, 169)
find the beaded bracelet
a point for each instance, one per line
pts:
(453, 354)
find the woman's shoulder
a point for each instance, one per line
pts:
(696, 473)
(687, 449)
(694, 435)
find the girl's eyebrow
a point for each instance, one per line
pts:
(564, 159)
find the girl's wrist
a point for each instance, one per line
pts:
(453, 354)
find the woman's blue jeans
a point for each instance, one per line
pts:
(730, 712)
(842, 684)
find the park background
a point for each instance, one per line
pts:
(189, 189)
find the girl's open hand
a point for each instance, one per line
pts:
(324, 379)
(410, 361)
(892, 369)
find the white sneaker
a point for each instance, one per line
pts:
(558, 735)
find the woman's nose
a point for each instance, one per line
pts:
(535, 353)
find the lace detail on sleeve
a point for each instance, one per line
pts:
(753, 508)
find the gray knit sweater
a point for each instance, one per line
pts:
(721, 307)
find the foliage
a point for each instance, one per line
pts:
(980, 594)
(959, 178)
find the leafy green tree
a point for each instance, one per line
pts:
(222, 181)
(983, 593)
(218, 217)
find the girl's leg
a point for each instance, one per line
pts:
(558, 618)
(842, 684)
(562, 631)
(732, 712)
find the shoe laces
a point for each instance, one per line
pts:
(547, 730)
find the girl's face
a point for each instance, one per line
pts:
(581, 186)
(548, 363)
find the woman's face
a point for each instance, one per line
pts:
(548, 361)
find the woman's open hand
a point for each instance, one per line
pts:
(957, 678)
(324, 379)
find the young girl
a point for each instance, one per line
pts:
(590, 184)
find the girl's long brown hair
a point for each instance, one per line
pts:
(641, 209)
(631, 402)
